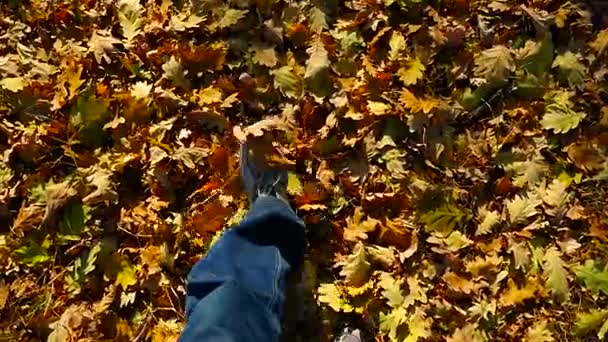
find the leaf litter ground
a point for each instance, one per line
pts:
(449, 158)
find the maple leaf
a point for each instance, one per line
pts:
(101, 43)
(495, 64)
(412, 72)
(601, 42)
(593, 276)
(141, 91)
(538, 332)
(570, 69)
(174, 72)
(522, 207)
(555, 274)
(130, 17)
(559, 115)
(356, 267)
(357, 228)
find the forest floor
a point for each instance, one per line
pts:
(449, 158)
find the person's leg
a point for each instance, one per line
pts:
(237, 291)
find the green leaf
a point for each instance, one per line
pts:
(570, 69)
(559, 114)
(444, 219)
(594, 277)
(34, 254)
(88, 115)
(83, 266)
(75, 216)
(290, 84)
(555, 274)
(589, 322)
(127, 275)
(356, 268)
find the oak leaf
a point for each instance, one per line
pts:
(538, 332)
(495, 64)
(356, 268)
(412, 72)
(357, 227)
(522, 207)
(101, 43)
(555, 274)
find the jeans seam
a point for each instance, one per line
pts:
(275, 280)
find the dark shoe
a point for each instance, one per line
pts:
(260, 179)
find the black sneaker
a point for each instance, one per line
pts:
(260, 179)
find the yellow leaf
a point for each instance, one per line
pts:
(396, 44)
(13, 84)
(356, 268)
(514, 295)
(141, 91)
(378, 108)
(209, 95)
(416, 105)
(357, 228)
(412, 72)
(264, 55)
(601, 42)
(294, 185)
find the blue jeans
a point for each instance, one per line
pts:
(237, 291)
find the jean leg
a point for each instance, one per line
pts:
(237, 291)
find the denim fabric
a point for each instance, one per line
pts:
(237, 291)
